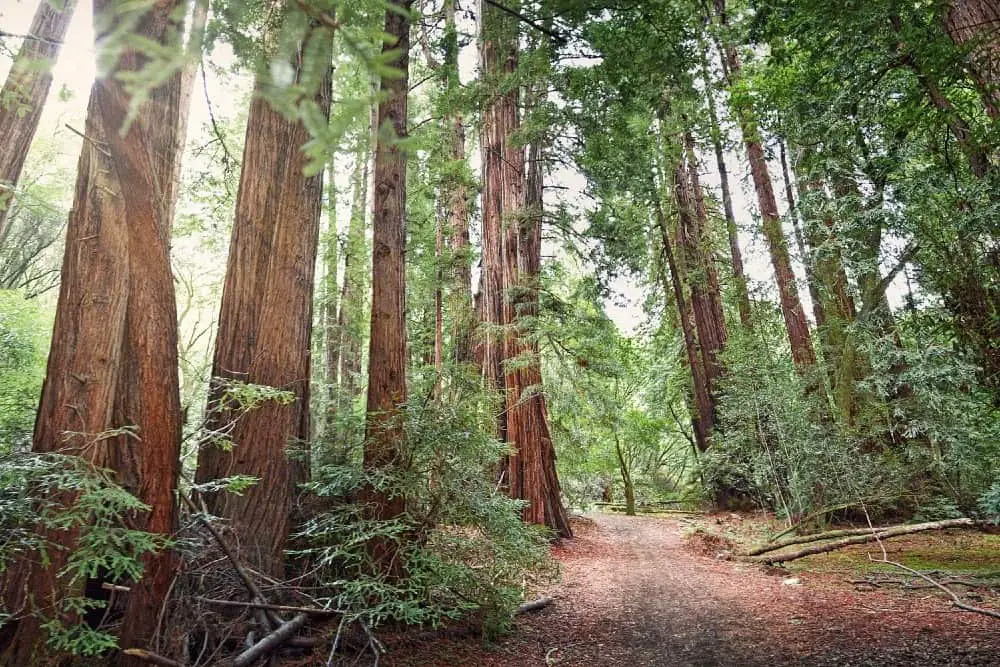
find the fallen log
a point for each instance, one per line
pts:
(870, 535)
(815, 537)
(534, 605)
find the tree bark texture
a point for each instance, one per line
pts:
(502, 193)
(384, 434)
(704, 411)
(973, 25)
(265, 325)
(25, 91)
(512, 213)
(527, 416)
(796, 325)
(702, 278)
(736, 255)
(113, 359)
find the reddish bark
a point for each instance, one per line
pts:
(796, 325)
(113, 359)
(265, 325)
(973, 25)
(512, 219)
(384, 443)
(736, 256)
(502, 193)
(702, 277)
(24, 93)
(703, 416)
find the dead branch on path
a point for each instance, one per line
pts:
(534, 605)
(868, 535)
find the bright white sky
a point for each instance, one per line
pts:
(75, 71)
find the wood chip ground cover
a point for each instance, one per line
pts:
(634, 591)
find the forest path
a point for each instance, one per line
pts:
(635, 592)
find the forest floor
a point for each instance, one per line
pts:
(639, 591)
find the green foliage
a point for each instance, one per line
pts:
(22, 368)
(45, 499)
(989, 504)
(461, 543)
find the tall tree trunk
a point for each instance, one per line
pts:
(527, 421)
(354, 289)
(698, 273)
(514, 257)
(25, 91)
(265, 325)
(805, 253)
(973, 24)
(385, 438)
(462, 312)
(113, 359)
(438, 302)
(736, 256)
(502, 175)
(704, 415)
(796, 325)
(332, 334)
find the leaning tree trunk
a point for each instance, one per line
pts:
(265, 325)
(796, 325)
(25, 91)
(384, 434)
(113, 359)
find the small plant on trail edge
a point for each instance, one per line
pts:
(43, 498)
(989, 504)
(463, 547)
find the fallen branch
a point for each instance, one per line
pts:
(151, 658)
(815, 537)
(271, 642)
(871, 535)
(809, 517)
(309, 611)
(955, 600)
(534, 605)
(268, 619)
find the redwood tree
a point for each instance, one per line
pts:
(384, 435)
(113, 360)
(25, 91)
(265, 323)
(791, 306)
(512, 220)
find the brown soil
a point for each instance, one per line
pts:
(634, 591)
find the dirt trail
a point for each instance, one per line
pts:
(634, 593)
